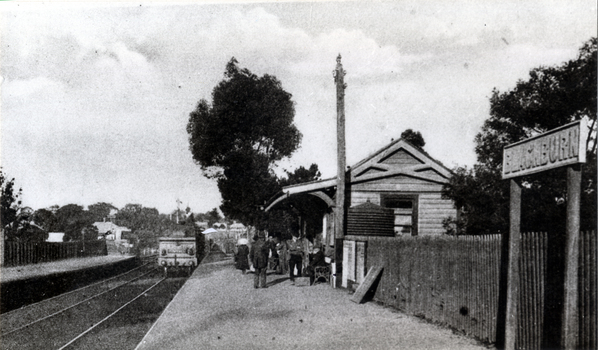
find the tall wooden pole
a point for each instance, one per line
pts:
(1, 247)
(339, 75)
(570, 325)
(339, 217)
(514, 243)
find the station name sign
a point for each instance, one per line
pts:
(562, 146)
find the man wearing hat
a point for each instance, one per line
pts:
(259, 257)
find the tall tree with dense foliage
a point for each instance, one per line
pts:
(551, 97)
(239, 137)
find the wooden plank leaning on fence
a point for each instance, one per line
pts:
(364, 287)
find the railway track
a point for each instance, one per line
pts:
(111, 314)
(82, 316)
(14, 320)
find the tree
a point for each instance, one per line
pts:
(90, 233)
(74, 221)
(281, 220)
(45, 219)
(17, 221)
(551, 97)
(413, 137)
(239, 137)
(10, 199)
(247, 184)
(301, 175)
(137, 217)
(212, 217)
(100, 211)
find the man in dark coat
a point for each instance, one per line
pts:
(316, 259)
(259, 257)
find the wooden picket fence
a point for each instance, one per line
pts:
(18, 253)
(455, 281)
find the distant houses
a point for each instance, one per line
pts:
(223, 230)
(111, 231)
(238, 230)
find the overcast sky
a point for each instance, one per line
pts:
(95, 98)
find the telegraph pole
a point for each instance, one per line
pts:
(339, 74)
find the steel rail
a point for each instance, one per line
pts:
(109, 316)
(74, 305)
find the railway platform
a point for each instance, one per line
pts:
(218, 308)
(10, 274)
(23, 285)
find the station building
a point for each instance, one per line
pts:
(394, 192)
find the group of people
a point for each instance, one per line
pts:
(279, 255)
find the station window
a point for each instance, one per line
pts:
(405, 207)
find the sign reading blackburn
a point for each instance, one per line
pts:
(559, 147)
(563, 146)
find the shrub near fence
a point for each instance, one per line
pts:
(17, 253)
(455, 281)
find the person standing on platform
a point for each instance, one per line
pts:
(241, 258)
(273, 258)
(281, 249)
(260, 251)
(295, 251)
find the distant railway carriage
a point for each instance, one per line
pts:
(177, 253)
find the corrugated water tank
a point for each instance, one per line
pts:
(370, 219)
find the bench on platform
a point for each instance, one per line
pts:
(322, 272)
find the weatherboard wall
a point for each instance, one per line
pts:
(403, 169)
(432, 209)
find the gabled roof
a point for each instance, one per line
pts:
(400, 158)
(397, 158)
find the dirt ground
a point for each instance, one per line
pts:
(220, 309)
